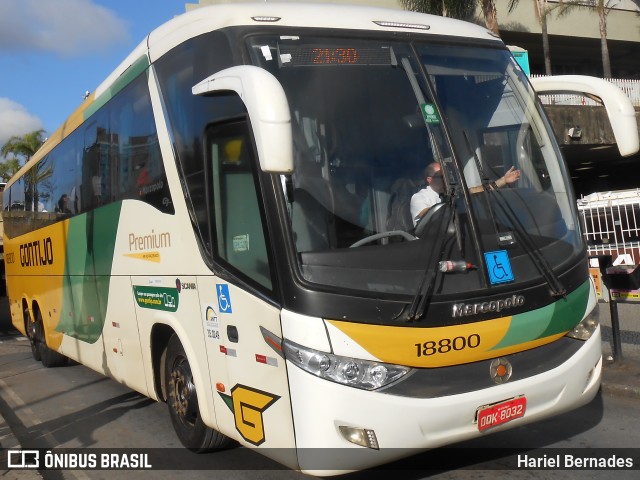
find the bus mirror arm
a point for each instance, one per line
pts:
(268, 110)
(618, 106)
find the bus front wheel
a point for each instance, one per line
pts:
(183, 403)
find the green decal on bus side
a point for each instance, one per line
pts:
(559, 317)
(157, 298)
(89, 257)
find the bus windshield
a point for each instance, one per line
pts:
(369, 115)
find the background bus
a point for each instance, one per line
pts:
(213, 234)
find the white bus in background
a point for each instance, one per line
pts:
(214, 235)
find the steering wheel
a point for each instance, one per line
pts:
(378, 236)
(426, 219)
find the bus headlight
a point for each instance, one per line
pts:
(364, 374)
(586, 327)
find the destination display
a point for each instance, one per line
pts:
(319, 55)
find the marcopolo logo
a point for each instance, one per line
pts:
(465, 309)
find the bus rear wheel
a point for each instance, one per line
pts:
(183, 403)
(49, 358)
(32, 335)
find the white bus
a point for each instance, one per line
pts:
(210, 229)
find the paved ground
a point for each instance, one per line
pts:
(621, 372)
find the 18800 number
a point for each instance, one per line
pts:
(446, 345)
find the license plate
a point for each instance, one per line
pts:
(500, 413)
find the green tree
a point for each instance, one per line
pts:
(24, 148)
(8, 169)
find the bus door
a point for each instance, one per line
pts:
(242, 328)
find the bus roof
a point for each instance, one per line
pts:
(208, 18)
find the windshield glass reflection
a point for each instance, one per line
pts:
(366, 124)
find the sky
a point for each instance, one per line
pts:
(53, 51)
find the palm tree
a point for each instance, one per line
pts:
(603, 8)
(25, 147)
(461, 9)
(490, 15)
(8, 169)
(446, 8)
(543, 10)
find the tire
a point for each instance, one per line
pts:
(49, 358)
(183, 403)
(32, 335)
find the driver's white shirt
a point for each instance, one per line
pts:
(425, 198)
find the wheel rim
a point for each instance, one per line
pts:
(32, 333)
(185, 401)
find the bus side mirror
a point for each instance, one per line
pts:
(619, 108)
(268, 110)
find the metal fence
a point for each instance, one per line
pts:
(611, 224)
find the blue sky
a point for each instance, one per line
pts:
(52, 51)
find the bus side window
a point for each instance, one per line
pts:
(233, 197)
(95, 164)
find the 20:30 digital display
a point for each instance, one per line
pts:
(319, 55)
(328, 56)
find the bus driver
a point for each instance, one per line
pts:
(427, 197)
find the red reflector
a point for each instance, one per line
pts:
(261, 358)
(220, 387)
(223, 349)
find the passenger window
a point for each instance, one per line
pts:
(95, 165)
(239, 235)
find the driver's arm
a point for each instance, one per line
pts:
(422, 213)
(511, 176)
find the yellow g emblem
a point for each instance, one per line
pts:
(247, 405)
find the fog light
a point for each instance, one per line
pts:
(360, 436)
(585, 329)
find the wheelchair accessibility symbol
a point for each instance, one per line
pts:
(498, 266)
(224, 299)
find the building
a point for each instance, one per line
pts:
(574, 39)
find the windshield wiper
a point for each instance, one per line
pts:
(530, 248)
(484, 182)
(533, 252)
(419, 304)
